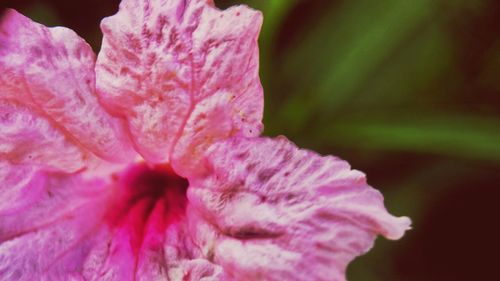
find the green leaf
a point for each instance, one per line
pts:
(469, 137)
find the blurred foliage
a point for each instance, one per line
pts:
(406, 91)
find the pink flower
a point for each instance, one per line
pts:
(145, 163)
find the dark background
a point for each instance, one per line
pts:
(406, 91)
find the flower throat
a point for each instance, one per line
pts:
(146, 200)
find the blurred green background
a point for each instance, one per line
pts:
(406, 91)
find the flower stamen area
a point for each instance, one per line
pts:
(145, 200)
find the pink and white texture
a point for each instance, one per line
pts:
(95, 153)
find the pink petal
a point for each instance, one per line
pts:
(63, 235)
(50, 238)
(48, 75)
(280, 213)
(69, 231)
(29, 138)
(20, 187)
(183, 73)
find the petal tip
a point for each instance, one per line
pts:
(399, 228)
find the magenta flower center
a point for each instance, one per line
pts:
(146, 200)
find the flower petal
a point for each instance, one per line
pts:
(48, 73)
(181, 72)
(29, 138)
(20, 187)
(49, 238)
(56, 227)
(281, 213)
